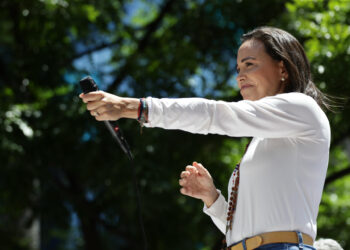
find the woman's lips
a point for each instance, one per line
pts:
(245, 86)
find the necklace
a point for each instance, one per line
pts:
(233, 195)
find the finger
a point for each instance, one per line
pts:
(108, 115)
(92, 96)
(184, 191)
(104, 117)
(188, 192)
(104, 109)
(191, 169)
(182, 182)
(185, 174)
(94, 105)
(200, 168)
(94, 113)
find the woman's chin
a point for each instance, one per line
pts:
(249, 97)
(249, 94)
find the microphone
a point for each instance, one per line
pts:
(88, 84)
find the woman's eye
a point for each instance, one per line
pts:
(247, 64)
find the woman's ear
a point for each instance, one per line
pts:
(283, 70)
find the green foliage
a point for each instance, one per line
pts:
(334, 212)
(58, 163)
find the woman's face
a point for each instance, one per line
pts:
(258, 74)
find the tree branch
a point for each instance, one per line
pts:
(339, 139)
(341, 173)
(142, 44)
(97, 48)
(337, 175)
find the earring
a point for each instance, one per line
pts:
(282, 79)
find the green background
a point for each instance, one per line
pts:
(63, 174)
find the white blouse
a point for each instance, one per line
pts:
(283, 171)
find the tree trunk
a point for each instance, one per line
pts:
(90, 234)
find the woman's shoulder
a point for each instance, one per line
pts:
(297, 103)
(293, 99)
(301, 107)
(293, 96)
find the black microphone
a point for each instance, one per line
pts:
(88, 84)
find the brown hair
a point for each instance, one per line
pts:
(282, 46)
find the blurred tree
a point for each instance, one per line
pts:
(65, 162)
(61, 166)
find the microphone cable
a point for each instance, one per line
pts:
(116, 133)
(88, 85)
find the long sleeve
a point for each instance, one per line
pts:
(283, 171)
(217, 212)
(283, 115)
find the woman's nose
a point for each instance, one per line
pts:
(240, 77)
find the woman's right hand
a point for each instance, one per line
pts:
(197, 182)
(105, 106)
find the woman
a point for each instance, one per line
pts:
(275, 191)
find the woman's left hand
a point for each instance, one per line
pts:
(197, 182)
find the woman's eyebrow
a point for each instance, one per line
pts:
(247, 58)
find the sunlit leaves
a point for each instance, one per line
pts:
(91, 12)
(145, 13)
(13, 117)
(326, 29)
(55, 3)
